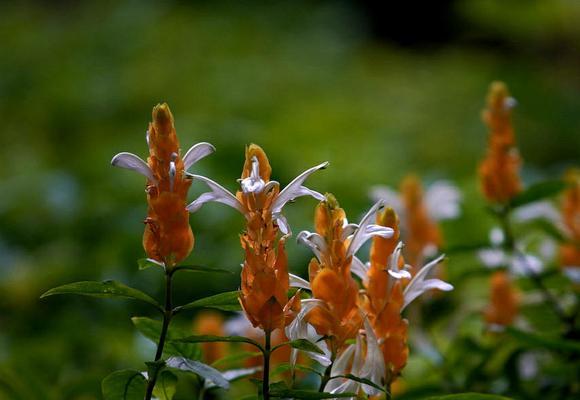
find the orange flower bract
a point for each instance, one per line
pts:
(421, 230)
(331, 280)
(499, 171)
(385, 299)
(504, 301)
(265, 281)
(168, 237)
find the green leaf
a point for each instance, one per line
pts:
(303, 344)
(308, 395)
(284, 367)
(532, 340)
(145, 263)
(227, 301)
(233, 375)
(151, 329)
(213, 338)
(232, 358)
(538, 191)
(360, 380)
(165, 387)
(202, 268)
(105, 289)
(199, 368)
(469, 396)
(126, 384)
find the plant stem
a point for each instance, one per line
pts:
(388, 394)
(325, 378)
(166, 320)
(266, 376)
(510, 244)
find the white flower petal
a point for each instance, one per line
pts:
(196, 153)
(240, 326)
(442, 199)
(572, 272)
(496, 236)
(295, 189)
(420, 284)
(359, 268)
(526, 264)
(348, 230)
(135, 163)
(374, 367)
(314, 241)
(218, 194)
(253, 183)
(402, 274)
(492, 258)
(282, 223)
(299, 328)
(366, 230)
(298, 282)
(390, 197)
(340, 367)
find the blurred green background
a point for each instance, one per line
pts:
(378, 91)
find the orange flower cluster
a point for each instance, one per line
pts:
(338, 317)
(499, 171)
(211, 323)
(504, 301)
(168, 237)
(385, 298)
(422, 230)
(265, 281)
(570, 252)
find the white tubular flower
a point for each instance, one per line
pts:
(341, 365)
(442, 200)
(134, 162)
(389, 196)
(254, 184)
(572, 272)
(394, 258)
(358, 235)
(366, 230)
(420, 284)
(520, 262)
(360, 269)
(299, 328)
(363, 364)
(196, 153)
(374, 367)
(218, 193)
(314, 241)
(298, 282)
(539, 210)
(295, 189)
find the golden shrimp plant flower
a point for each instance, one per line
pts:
(504, 301)
(570, 206)
(168, 238)
(499, 171)
(389, 290)
(334, 245)
(420, 210)
(264, 277)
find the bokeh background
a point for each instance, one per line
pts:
(377, 90)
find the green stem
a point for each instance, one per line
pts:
(325, 378)
(166, 320)
(266, 376)
(388, 393)
(510, 245)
